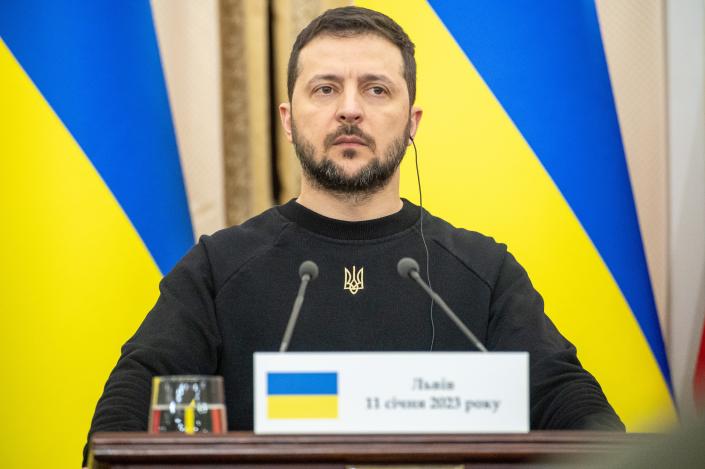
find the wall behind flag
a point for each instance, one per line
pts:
(189, 44)
(686, 122)
(634, 37)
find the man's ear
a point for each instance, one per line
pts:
(414, 119)
(285, 116)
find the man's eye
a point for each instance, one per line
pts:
(377, 90)
(325, 90)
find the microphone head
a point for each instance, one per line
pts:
(407, 265)
(308, 268)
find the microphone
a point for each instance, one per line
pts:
(409, 268)
(308, 270)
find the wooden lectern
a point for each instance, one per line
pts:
(245, 450)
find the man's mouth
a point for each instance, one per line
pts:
(349, 140)
(349, 137)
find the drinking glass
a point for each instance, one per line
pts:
(187, 404)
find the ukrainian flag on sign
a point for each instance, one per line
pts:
(302, 395)
(520, 140)
(93, 205)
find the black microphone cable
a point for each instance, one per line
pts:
(423, 239)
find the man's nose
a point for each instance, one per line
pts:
(349, 110)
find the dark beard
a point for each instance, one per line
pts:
(327, 175)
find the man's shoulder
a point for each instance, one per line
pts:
(259, 229)
(231, 248)
(478, 252)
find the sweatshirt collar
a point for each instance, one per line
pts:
(352, 230)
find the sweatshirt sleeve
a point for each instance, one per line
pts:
(178, 336)
(563, 395)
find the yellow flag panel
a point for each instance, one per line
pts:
(76, 278)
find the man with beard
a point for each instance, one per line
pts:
(350, 117)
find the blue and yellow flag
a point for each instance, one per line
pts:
(302, 395)
(520, 140)
(93, 206)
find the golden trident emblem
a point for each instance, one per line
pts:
(354, 280)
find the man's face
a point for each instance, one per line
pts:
(350, 118)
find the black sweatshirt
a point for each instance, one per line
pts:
(231, 296)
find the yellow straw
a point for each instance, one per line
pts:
(190, 417)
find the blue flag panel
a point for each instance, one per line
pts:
(97, 64)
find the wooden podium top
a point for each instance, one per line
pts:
(243, 449)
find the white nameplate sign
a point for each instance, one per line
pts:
(391, 392)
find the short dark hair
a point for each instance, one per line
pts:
(349, 22)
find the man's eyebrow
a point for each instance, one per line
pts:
(325, 77)
(375, 77)
(364, 78)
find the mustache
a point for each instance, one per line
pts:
(351, 129)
